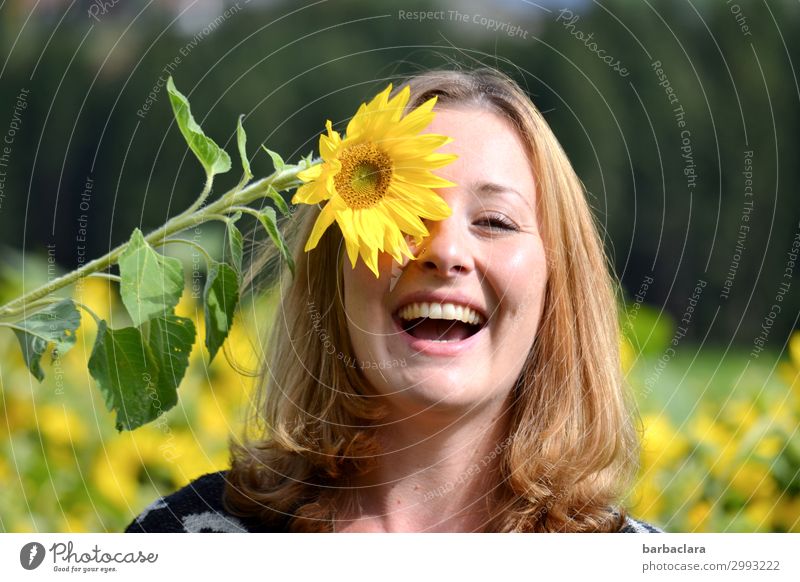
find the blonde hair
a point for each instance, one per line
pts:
(572, 448)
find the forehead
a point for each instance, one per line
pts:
(488, 146)
(466, 123)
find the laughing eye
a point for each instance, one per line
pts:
(497, 222)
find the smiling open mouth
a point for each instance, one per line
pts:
(440, 322)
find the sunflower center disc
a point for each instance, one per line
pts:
(365, 175)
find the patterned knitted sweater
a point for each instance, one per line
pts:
(198, 508)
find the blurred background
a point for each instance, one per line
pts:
(681, 117)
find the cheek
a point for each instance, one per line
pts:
(363, 296)
(523, 281)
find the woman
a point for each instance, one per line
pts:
(476, 388)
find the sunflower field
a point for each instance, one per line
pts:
(63, 465)
(720, 445)
(720, 440)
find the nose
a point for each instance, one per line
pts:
(445, 251)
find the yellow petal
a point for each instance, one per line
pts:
(311, 173)
(414, 148)
(417, 120)
(329, 144)
(395, 243)
(312, 193)
(424, 178)
(356, 124)
(432, 161)
(422, 201)
(346, 222)
(370, 257)
(352, 251)
(375, 220)
(381, 100)
(379, 115)
(324, 220)
(405, 219)
(399, 102)
(327, 148)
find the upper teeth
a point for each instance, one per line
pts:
(441, 311)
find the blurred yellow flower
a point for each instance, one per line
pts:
(769, 447)
(661, 444)
(647, 500)
(742, 415)
(787, 514)
(189, 459)
(116, 469)
(190, 308)
(214, 417)
(790, 374)
(753, 478)
(60, 425)
(707, 431)
(97, 294)
(74, 523)
(698, 517)
(789, 371)
(18, 410)
(759, 514)
(5, 472)
(794, 349)
(627, 355)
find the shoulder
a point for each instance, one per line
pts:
(632, 525)
(196, 508)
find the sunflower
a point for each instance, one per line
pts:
(378, 179)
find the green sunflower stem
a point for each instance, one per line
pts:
(203, 195)
(284, 179)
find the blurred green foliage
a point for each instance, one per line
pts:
(288, 67)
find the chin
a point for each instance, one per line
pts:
(430, 389)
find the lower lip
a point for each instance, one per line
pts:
(434, 348)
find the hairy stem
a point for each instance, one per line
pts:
(191, 217)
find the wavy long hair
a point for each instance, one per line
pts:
(572, 448)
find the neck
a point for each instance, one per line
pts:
(437, 473)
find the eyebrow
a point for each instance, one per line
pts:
(494, 189)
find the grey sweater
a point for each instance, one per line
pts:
(198, 508)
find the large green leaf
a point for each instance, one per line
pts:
(171, 340)
(57, 323)
(220, 298)
(270, 223)
(127, 371)
(152, 284)
(214, 159)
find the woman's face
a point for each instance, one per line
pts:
(484, 264)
